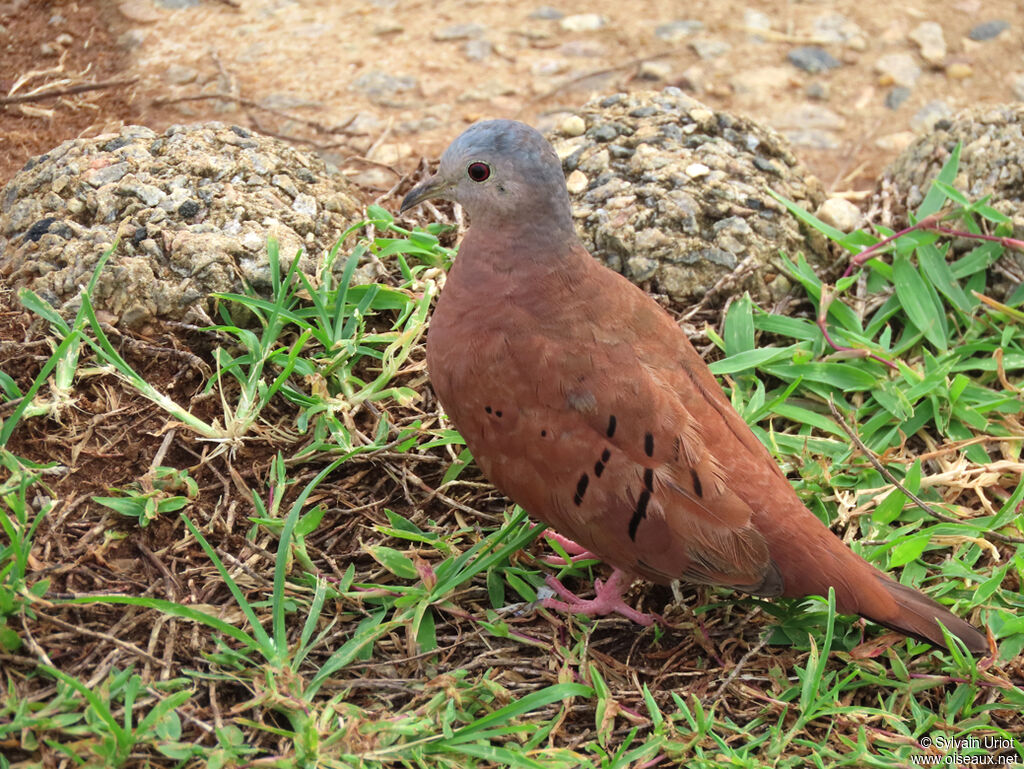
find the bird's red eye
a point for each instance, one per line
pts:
(478, 171)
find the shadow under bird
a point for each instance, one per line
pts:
(582, 400)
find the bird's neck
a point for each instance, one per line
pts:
(522, 266)
(523, 248)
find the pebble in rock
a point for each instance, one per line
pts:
(583, 22)
(898, 69)
(573, 125)
(841, 214)
(931, 42)
(674, 31)
(897, 97)
(988, 30)
(813, 58)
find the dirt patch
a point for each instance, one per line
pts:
(376, 84)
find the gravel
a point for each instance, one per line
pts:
(675, 195)
(191, 210)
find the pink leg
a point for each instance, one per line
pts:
(607, 600)
(577, 552)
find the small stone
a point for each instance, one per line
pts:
(458, 32)
(930, 114)
(64, 39)
(836, 28)
(388, 27)
(48, 49)
(817, 91)
(139, 11)
(177, 74)
(546, 13)
(710, 49)
(674, 31)
(756, 21)
(959, 71)
(177, 5)
(304, 204)
(583, 22)
(378, 84)
(696, 170)
(841, 214)
(897, 97)
(898, 69)
(988, 30)
(813, 58)
(930, 40)
(604, 133)
(147, 193)
(573, 125)
(654, 70)
(576, 182)
(477, 49)
(98, 177)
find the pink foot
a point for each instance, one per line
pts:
(577, 552)
(607, 600)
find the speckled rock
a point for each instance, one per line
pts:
(675, 195)
(191, 209)
(991, 163)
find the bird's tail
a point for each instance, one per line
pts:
(919, 616)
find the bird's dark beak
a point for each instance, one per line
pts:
(431, 187)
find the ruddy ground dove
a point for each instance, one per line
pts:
(582, 400)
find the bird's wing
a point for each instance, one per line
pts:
(603, 429)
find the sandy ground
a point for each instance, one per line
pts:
(378, 84)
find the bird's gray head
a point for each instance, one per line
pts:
(502, 172)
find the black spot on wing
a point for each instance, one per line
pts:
(649, 479)
(697, 487)
(649, 444)
(598, 468)
(581, 489)
(639, 513)
(611, 426)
